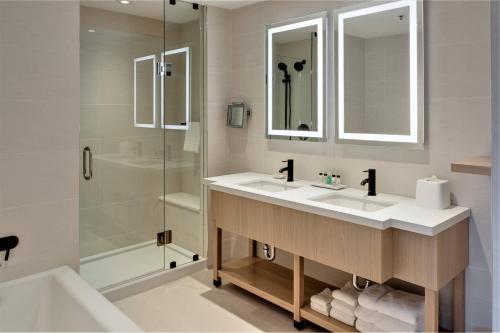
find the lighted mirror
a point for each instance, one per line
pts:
(145, 91)
(380, 74)
(176, 89)
(295, 72)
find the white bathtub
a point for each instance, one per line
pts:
(58, 300)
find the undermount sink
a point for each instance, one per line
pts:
(362, 203)
(269, 186)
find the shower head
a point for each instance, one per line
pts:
(299, 65)
(282, 66)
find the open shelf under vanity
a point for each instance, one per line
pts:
(275, 284)
(427, 261)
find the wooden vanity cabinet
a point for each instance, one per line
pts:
(377, 255)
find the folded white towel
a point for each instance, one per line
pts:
(364, 314)
(364, 326)
(370, 296)
(321, 305)
(321, 310)
(391, 324)
(405, 306)
(192, 138)
(342, 306)
(346, 318)
(347, 294)
(324, 297)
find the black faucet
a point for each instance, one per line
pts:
(288, 169)
(371, 180)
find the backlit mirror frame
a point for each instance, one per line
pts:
(151, 58)
(187, 51)
(416, 137)
(320, 20)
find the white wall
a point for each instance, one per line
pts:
(39, 125)
(457, 103)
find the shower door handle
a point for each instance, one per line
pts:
(87, 163)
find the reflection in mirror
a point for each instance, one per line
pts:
(145, 91)
(176, 89)
(295, 71)
(378, 74)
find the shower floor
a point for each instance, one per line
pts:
(113, 267)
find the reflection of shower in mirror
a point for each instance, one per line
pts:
(295, 78)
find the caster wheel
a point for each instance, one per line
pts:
(217, 283)
(299, 325)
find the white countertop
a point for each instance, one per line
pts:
(403, 214)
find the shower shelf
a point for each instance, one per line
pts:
(182, 200)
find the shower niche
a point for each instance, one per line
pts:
(295, 78)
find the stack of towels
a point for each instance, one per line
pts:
(344, 303)
(321, 302)
(382, 309)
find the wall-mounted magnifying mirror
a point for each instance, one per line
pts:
(145, 91)
(380, 74)
(176, 89)
(295, 72)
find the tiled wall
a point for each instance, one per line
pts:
(39, 124)
(457, 104)
(219, 77)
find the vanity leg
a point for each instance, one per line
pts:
(459, 302)
(217, 255)
(431, 310)
(298, 290)
(252, 248)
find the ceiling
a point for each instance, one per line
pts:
(154, 8)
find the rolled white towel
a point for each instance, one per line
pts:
(364, 326)
(370, 296)
(324, 297)
(347, 294)
(364, 314)
(320, 309)
(391, 324)
(405, 306)
(342, 306)
(346, 318)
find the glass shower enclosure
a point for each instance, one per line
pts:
(140, 140)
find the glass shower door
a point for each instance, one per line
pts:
(181, 95)
(141, 106)
(122, 144)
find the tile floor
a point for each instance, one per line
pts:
(192, 304)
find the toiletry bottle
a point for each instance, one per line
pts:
(329, 179)
(339, 181)
(320, 177)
